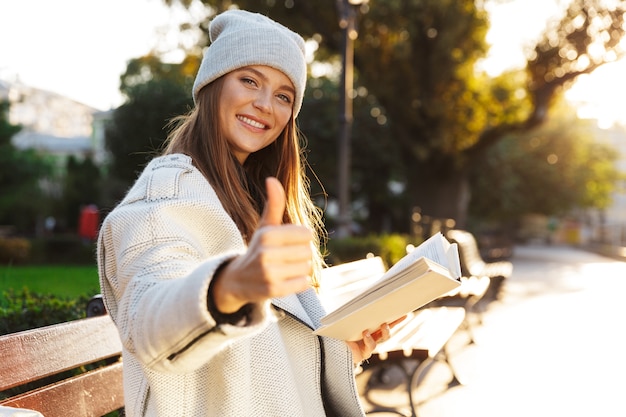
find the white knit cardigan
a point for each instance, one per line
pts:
(157, 253)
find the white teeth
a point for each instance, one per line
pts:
(251, 122)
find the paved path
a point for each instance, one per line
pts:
(553, 345)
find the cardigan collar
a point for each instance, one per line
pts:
(304, 306)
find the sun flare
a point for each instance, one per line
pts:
(601, 95)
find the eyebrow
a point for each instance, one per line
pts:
(264, 77)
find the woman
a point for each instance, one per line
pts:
(208, 265)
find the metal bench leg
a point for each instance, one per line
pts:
(419, 373)
(385, 411)
(415, 379)
(455, 381)
(377, 375)
(414, 376)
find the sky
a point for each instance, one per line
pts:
(79, 48)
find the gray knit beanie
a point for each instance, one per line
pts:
(240, 38)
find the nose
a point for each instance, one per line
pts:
(263, 101)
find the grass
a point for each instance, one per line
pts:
(62, 281)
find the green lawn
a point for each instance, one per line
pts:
(62, 281)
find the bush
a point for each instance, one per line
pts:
(62, 249)
(14, 250)
(24, 310)
(391, 248)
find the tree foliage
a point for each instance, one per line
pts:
(551, 170)
(81, 186)
(417, 60)
(377, 206)
(156, 92)
(22, 198)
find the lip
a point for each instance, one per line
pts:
(253, 122)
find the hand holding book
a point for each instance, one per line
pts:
(363, 349)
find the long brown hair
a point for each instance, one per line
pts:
(241, 189)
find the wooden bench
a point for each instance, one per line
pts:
(473, 265)
(421, 338)
(71, 369)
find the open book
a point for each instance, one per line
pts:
(426, 273)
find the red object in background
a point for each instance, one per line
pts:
(89, 222)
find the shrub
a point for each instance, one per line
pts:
(14, 250)
(62, 249)
(391, 248)
(24, 310)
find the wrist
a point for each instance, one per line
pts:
(221, 295)
(240, 316)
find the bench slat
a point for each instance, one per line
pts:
(472, 263)
(31, 355)
(424, 333)
(94, 393)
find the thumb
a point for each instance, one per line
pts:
(275, 204)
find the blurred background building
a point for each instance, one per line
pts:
(53, 124)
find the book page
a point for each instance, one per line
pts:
(454, 261)
(434, 248)
(420, 267)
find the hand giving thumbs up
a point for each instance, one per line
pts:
(277, 262)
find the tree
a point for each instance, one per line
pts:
(451, 115)
(377, 203)
(552, 170)
(80, 187)
(427, 51)
(22, 199)
(156, 92)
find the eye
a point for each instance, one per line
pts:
(249, 81)
(284, 97)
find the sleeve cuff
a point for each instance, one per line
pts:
(240, 317)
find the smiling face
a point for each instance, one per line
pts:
(256, 103)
